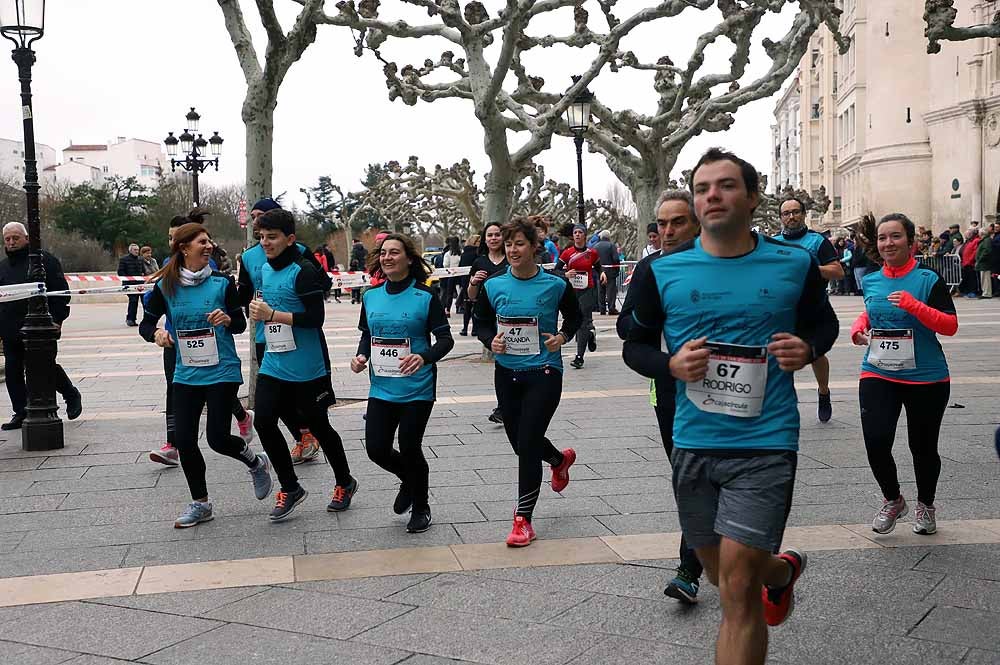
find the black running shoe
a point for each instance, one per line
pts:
(824, 411)
(403, 501)
(577, 362)
(74, 404)
(420, 521)
(285, 503)
(496, 417)
(341, 499)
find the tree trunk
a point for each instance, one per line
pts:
(259, 121)
(645, 193)
(258, 116)
(499, 194)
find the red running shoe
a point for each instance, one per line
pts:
(521, 534)
(560, 473)
(778, 603)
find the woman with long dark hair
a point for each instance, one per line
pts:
(204, 309)
(469, 253)
(491, 260)
(397, 320)
(452, 259)
(906, 307)
(518, 313)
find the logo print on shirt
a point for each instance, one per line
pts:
(695, 295)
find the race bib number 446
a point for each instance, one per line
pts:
(386, 354)
(735, 382)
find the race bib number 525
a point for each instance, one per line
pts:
(735, 382)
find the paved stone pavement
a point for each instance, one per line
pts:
(99, 504)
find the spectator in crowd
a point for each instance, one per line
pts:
(14, 270)
(983, 263)
(995, 259)
(862, 265)
(449, 285)
(607, 292)
(652, 240)
(972, 231)
(970, 278)
(357, 263)
(469, 253)
(321, 259)
(955, 232)
(131, 265)
(149, 264)
(838, 287)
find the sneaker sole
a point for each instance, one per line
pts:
(178, 525)
(903, 514)
(429, 523)
(160, 459)
(921, 531)
(795, 578)
(292, 509)
(677, 593)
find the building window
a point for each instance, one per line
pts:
(148, 171)
(105, 168)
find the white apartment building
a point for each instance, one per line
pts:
(123, 158)
(897, 130)
(785, 170)
(12, 158)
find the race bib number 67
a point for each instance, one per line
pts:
(735, 382)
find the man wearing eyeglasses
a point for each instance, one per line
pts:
(795, 232)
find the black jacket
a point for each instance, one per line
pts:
(130, 266)
(14, 270)
(469, 254)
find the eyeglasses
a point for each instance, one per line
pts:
(790, 213)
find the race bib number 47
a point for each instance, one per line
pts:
(891, 350)
(520, 334)
(386, 354)
(735, 382)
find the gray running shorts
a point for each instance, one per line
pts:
(746, 499)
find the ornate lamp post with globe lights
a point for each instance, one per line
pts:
(23, 23)
(193, 150)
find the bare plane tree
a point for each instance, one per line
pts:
(264, 80)
(640, 149)
(940, 15)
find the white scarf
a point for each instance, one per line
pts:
(189, 278)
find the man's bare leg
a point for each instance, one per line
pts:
(742, 572)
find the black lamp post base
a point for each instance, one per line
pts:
(42, 435)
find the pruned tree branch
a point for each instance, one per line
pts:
(940, 16)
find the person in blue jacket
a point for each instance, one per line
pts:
(205, 313)
(517, 311)
(397, 320)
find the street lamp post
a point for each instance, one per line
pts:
(578, 119)
(193, 149)
(23, 23)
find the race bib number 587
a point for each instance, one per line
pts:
(735, 382)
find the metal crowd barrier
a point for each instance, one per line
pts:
(948, 266)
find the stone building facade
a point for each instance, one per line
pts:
(887, 127)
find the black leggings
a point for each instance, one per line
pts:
(664, 410)
(408, 464)
(528, 400)
(290, 418)
(169, 367)
(312, 399)
(881, 402)
(189, 401)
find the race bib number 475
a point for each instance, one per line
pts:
(891, 350)
(735, 382)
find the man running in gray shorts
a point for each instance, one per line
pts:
(739, 313)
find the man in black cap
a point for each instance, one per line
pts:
(14, 270)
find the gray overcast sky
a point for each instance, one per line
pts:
(132, 68)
